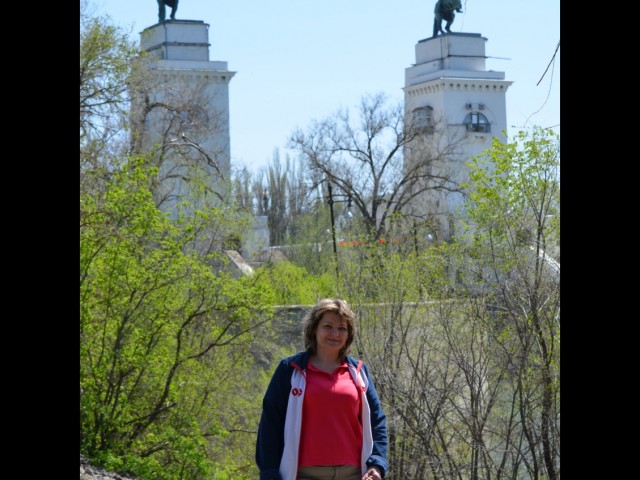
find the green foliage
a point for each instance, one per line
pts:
(311, 241)
(515, 195)
(392, 272)
(293, 285)
(510, 258)
(463, 338)
(163, 336)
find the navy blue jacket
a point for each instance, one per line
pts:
(279, 430)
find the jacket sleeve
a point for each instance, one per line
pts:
(270, 441)
(378, 456)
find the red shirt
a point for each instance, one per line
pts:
(331, 430)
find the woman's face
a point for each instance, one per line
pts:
(332, 333)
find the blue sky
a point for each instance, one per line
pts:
(297, 61)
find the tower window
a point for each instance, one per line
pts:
(477, 122)
(423, 118)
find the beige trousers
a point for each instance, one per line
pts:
(336, 472)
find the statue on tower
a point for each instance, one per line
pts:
(445, 10)
(161, 10)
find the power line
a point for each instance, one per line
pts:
(550, 62)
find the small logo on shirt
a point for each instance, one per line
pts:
(296, 392)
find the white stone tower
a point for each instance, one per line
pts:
(459, 107)
(181, 115)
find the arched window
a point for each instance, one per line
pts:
(423, 118)
(477, 122)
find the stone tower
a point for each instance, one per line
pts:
(181, 114)
(458, 106)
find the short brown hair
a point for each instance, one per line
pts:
(313, 317)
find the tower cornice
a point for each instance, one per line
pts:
(458, 84)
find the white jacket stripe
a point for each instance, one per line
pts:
(292, 426)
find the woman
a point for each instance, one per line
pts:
(321, 415)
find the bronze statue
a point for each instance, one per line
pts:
(445, 10)
(161, 11)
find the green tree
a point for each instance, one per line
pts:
(400, 295)
(293, 285)
(463, 338)
(509, 258)
(168, 384)
(164, 336)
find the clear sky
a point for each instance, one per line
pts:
(300, 60)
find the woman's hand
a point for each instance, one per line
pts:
(372, 474)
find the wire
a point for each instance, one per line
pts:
(551, 64)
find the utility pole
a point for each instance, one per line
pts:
(333, 229)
